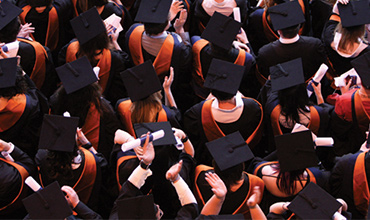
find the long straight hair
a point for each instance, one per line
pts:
(146, 110)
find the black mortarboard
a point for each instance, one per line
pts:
(141, 81)
(48, 203)
(140, 207)
(314, 203)
(221, 30)
(76, 75)
(286, 15)
(285, 75)
(236, 216)
(153, 11)
(362, 67)
(168, 139)
(224, 76)
(87, 25)
(355, 13)
(8, 12)
(296, 151)
(229, 151)
(8, 72)
(58, 133)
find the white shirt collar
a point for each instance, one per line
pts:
(289, 40)
(238, 103)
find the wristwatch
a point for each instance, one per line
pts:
(143, 165)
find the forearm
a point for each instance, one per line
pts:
(138, 176)
(256, 212)
(169, 100)
(213, 206)
(279, 207)
(183, 192)
(188, 148)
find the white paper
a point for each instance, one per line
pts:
(340, 80)
(236, 12)
(115, 21)
(31, 182)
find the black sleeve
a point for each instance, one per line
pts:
(328, 32)
(85, 212)
(24, 160)
(188, 211)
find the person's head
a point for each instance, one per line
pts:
(38, 3)
(10, 31)
(77, 103)
(59, 164)
(289, 32)
(287, 182)
(154, 29)
(19, 88)
(94, 47)
(292, 100)
(230, 176)
(84, 5)
(350, 36)
(222, 96)
(145, 110)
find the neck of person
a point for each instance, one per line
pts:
(236, 186)
(285, 40)
(40, 9)
(227, 104)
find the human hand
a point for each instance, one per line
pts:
(148, 151)
(345, 88)
(218, 186)
(173, 173)
(344, 206)
(179, 133)
(112, 32)
(168, 80)
(4, 146)
(253, 200)
(81, 137)
(242, 37)
(239, 45)
(71, 196)
(179, 22)
(121, 137)
(176, 6)
(26, 30)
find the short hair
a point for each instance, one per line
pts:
(222, 96)
(10, 31)
(290, 32)
(38, 3)
(19, 88)
(154, 29)
(231, 175)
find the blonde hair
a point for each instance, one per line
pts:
(350, 36)
(146, 110)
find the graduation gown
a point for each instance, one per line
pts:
(310, 49)
(21, 120)
(201, 127)
(86, 179)
(350, 121)
(173, 53)
(13, 188)
(202, 58)
(349, 180)
(339, 63)
(111, 64)
(315, 175)
(235, 202)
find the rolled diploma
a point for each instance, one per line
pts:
(140, 141)
(31, 182)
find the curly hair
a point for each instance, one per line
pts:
(59, 164)
(19, 88)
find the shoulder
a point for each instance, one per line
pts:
(113, 8)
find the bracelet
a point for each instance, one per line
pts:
(185, 139)
(87, 146)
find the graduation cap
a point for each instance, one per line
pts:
(76, 75)
(8, 72)
(8, 12)
(153, 11)
(168, 139)
(87, 25)
(58, 133)
(141, 81)
(285, 75)
(48, 203)
(286, 15)
(236, 216)
(224, 76)
(139, 207)
(230, 150)
(221, 30)
(296, 151)
(314, 203)
(362, 67)
(355, 13)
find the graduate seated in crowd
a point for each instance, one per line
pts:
(15, 167)
(93, 42)
(262, 30)
(205, 9)
(229, 153)
(297, 166)
(350, 118)
(287, 103)
(61, 159)
(344, 34)
(36, 59)
(290, 44)
(224, 114)
(151, 41)
(20, 107)
(221, 40)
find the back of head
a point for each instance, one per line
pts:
(38, 3)
(19, 88)
(222, 96)
(290, 32)
(231, 175)
(10, 31)
(93, 47)
(154, 29)
(350, 35)
(145, 110)
(287, 181)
